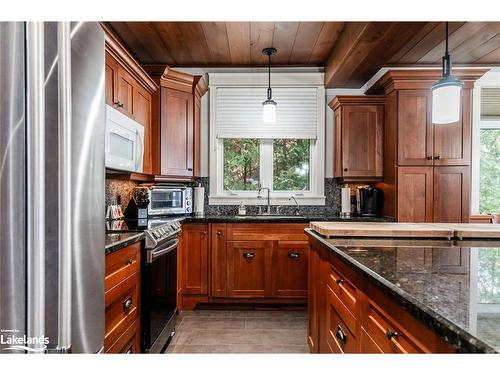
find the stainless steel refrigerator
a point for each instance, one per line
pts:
(51, 187)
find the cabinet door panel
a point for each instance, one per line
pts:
(176, 133)
(111, 80)
(249, 270)
(218, 261)
(362, 129)
(290, 269)
(142, 114)
(451, 194)
(194, 259)
(126, 86)
(415, 194)
(415, 135)
(452, 142)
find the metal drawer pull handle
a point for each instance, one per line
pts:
(219, 233)
(248, 255)
(430, 157)
(437, 157)
(129, 261)
(292, 254)
(390, 334)
(127, 304)
(340, 334)
(340, 281)
(119, 104)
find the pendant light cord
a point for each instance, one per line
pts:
(269, 95)
(446, 42)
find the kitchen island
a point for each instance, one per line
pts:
(403, 295)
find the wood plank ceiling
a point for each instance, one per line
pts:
(351, 52)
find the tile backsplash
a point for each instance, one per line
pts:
(331, 207)
(120, 191)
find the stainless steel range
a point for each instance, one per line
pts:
(159, 284)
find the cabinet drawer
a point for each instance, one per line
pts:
(387, 334)
(340, 338)
(129, 342)
(121, 264)
(367, 345)
(344, 290)
(268, 232)
(122, 304)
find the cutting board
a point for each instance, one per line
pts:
(360, 229)
(472, 230)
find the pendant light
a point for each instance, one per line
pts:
(269, 105)
(446, 94)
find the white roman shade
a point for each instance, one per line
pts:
(490, 103)
(239, 113)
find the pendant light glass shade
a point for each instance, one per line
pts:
(446, 100)
(269, 105)
(269, 111)
(447, 93)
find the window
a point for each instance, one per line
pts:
(489, 167)
(485, 197)
(287, 156)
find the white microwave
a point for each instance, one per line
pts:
(124, 142)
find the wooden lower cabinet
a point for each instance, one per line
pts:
(122, 301)
(225, 262)
(289, 269)
(194, 259)
(348, 314)
(249, 268)
(218, 260)
(129, 342)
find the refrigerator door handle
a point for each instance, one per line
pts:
(65, 185)
(35, 182)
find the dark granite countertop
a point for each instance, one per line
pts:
(451, 286)
(274, 219)
(117, 241)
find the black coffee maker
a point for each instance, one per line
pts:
(138, 206)
(370, 201)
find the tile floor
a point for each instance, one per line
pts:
(248, 331)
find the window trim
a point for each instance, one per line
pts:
(316, 195)
(490, 79)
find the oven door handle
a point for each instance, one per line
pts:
(153, 254)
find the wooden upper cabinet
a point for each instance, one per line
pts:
(129, 89)
(359, 126)
(176, 133)
(194, 259)
(142, 110)
(451, 194)
(180, 124)
(415, 194)
(415, 135)
(111, 78)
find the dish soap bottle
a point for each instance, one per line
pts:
(242, 210)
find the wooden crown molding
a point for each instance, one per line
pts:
(176, 80)
(173, 79)
(200, 86)
(356, 100)
(421, 79)
(120, 53)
